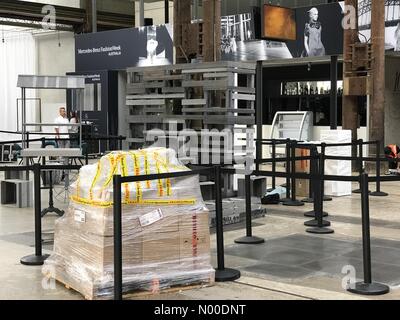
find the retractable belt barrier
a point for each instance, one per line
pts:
(120, 139)
(95, 138)
(360, 159)
(316, 175)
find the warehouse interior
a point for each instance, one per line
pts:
(199, 150)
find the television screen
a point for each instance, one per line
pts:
(279, 23)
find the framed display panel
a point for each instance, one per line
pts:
(278, 23)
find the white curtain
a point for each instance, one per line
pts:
(17, 56)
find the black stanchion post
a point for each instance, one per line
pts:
(288, 198)
(319, 225)
(313, 171)
(51, 207)
(86, 155)
(323, 152)
(222, 274)
(120, 139)
(378, 192)
(117, 237)
(249, 238)
(367, 287)
(360, 162)
(27, 139)
(273, 154)
(310, 198)
(39, 258)
(293, 201)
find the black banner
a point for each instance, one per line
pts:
(120, 49)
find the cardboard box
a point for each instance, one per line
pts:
(194, 236)
(159, 241)
(100, 220)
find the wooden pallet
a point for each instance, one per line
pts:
(67, 286)
(172, 290)
(143, 293)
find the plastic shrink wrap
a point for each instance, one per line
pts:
(165, 228)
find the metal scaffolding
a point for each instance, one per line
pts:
(392, 13)
(29, 14)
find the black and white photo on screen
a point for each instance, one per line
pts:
(154, 43)
(239, 43)
(392, 23)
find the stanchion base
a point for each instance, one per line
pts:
(379, 194)
(57, 211)
(34, 260)
(370, 289)
(311, 214)
(249, 240)
(226, 274)
(285, 200)
(320, 230)
(293, 203)
(308, 200)
(358, 191)
(326, 198)
(314, 223)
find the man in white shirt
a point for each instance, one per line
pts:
(62, 120)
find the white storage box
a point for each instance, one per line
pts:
(337, 167)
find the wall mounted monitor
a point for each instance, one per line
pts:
(279, 23)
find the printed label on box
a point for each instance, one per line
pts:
(80, 216)
(151, 217)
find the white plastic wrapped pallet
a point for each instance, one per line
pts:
(165, 231)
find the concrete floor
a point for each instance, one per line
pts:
(292, 264)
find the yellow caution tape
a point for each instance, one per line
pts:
(96, 177)
(136, 164)
(159, 184)
(166, 162)
(146, 167)
(120, 158)
(78, 186)
(124, 169)
(168, 180)
(113, 164)
(109, 204)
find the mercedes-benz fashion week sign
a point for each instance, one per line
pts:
(119, 49)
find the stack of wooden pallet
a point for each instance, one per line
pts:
(203, 97)
(151, 96)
